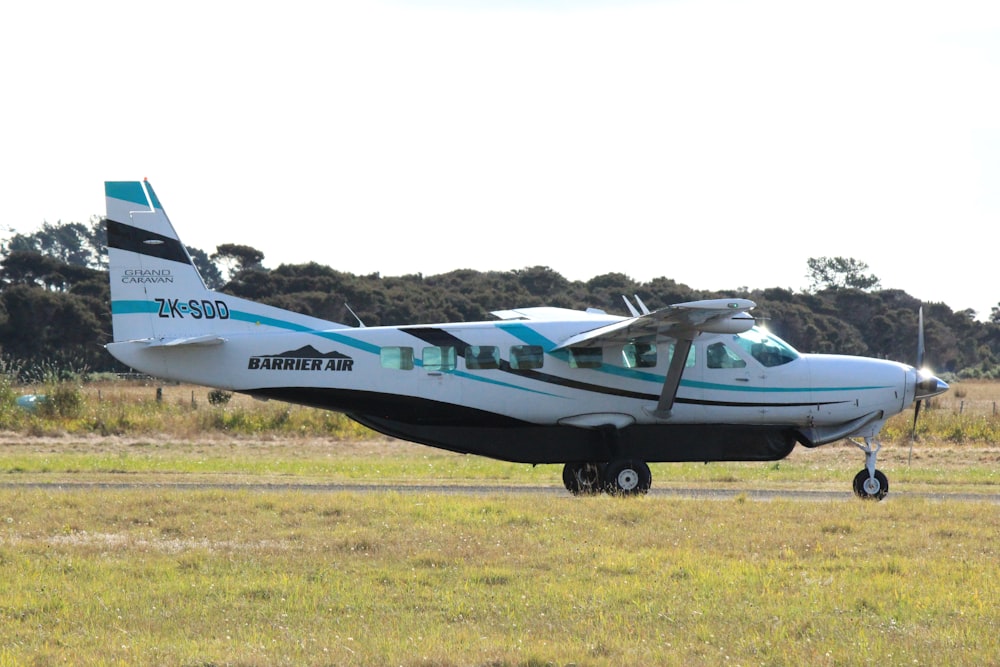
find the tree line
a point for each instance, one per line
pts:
(55, 308)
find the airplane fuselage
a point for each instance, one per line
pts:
(527, 401)
(601, 394)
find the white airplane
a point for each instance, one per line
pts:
(602, 394)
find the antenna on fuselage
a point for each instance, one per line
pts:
(632, 309)
(348, 307)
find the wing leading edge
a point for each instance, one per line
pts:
(679, 321)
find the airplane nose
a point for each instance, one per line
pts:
(929, 385)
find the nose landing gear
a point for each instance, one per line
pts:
(870, 484)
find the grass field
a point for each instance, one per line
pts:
(107, 558)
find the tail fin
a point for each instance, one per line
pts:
(157, 294)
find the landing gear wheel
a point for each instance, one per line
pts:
(627, 478)
(582, 479)
(871, 488)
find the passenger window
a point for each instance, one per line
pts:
(482, 357)
(718, 355)
(524, 357)
(400, 358)
(585, 357)
(639, 355)
(439, 358)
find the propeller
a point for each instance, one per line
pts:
(927, 384)
(920, 366)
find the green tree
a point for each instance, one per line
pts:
(541, 281)
(29, 267)
(54, 327)
(237, 258)
(838, 273)
(72, 243)
(206, 267)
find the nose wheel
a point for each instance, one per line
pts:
(870, 484)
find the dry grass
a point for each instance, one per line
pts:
(296, 578)
(159, 574)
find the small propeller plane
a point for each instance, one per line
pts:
(602, 394)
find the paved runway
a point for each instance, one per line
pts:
(471, 489)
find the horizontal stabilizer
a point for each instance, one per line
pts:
(206, 340)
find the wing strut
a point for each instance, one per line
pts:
(673, 381)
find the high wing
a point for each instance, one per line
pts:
(680, 322)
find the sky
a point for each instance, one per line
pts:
(718, 143)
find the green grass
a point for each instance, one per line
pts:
(157, 574)
(301, 578)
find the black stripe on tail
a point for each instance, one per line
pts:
(133, 239)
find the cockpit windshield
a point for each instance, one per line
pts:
(766, 348)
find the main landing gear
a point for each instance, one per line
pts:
(624, 477)
(870, 484)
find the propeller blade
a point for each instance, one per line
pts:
(913, 433)
(920, 365)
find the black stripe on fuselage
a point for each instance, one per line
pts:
(435, 336)
(133, 239)
(757, 404)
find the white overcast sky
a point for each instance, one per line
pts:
(720, 143)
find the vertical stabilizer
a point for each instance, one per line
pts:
(157, 293)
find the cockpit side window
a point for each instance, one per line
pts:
(767, 348)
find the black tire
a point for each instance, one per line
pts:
(869, 488)
(582, 479)
(629, 477)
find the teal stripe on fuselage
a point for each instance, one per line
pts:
(530, 336)
(133, 307)
(479, 377)
(516, 329)
(147, 307)
(715, 386)
(527, 334)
